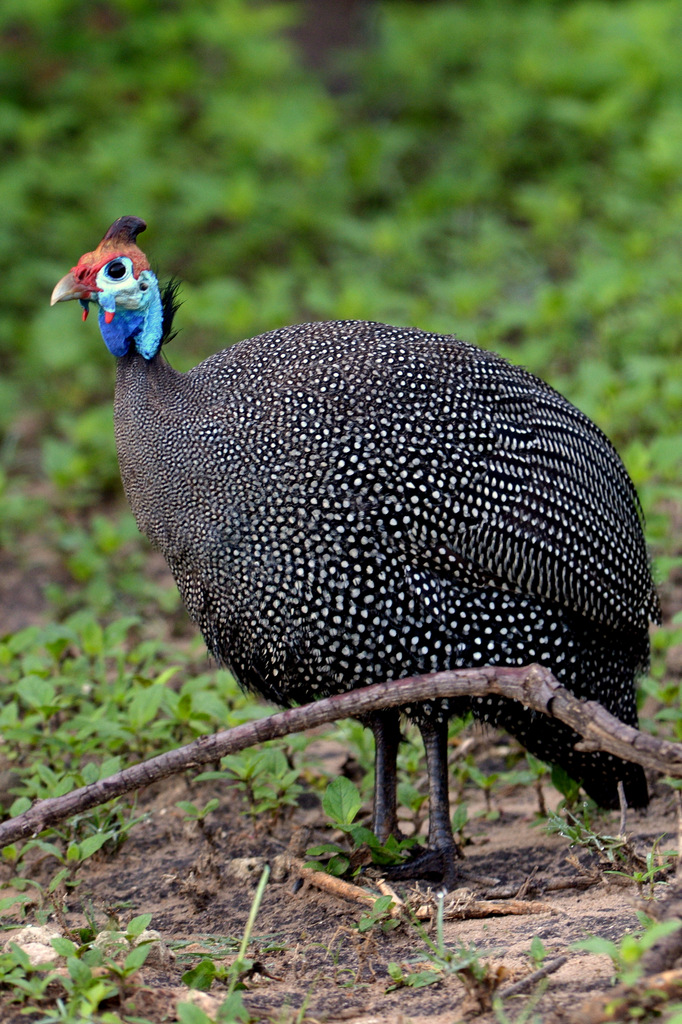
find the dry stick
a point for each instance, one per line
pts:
(531, 979)
(488, 908)
(535, 687)
(623, 809)
(333, 885)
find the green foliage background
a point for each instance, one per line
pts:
(508, 171)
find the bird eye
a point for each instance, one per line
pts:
(116, 270)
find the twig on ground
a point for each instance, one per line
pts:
(462, 905)
(386, 890)
(499, 908)
(623, 810)
(541, 885)
(526, 885)
(583, 882)
(333, 885)
(534, 687)
(531, 979)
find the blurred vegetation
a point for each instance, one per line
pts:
(508, 171)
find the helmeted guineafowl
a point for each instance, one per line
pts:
(345, 503)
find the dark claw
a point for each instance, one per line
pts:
(431, 865)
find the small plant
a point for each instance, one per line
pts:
(459, 821)
(91, 977)
(405, 976)
(463, 961)
(486, 784)
(197, 814)
(611, 849)
(627, 954)
(207, 971)
(380, 917)
(266, 778)
(615, 851)
(23, 980)
(341, 802)
(655, 865)
(537, 952)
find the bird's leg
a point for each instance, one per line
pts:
(439, 859)
(441, 839)
(386, 728)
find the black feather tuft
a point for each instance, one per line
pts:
(170, 304)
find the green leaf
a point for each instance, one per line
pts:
(188, 1013)
(9, 901)
(91, 844)
(90, 773)
(233, 1009)
(209, 807)
(460, 818)
(382, 905)
(64, 947)
(57, 879)
(338, 865)
(655, 932)
(92, 638)
(420, 979)
(562, 781)
(36, 691)
(137, 956)
(200, 976)
(138, 925)
(595, 944)
(341, 801)
(323, 849)
(360, 834)
(21, 804)
(145, 705)
(20, 955)
(79, 971)
(188, 808)
(537, 949)
(410, 979)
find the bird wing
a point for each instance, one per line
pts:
(517, 488)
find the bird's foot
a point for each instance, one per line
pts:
(435, 865)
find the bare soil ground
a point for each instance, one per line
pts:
(199, 884)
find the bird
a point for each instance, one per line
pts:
(347, 502)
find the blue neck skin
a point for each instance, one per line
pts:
(141, 328)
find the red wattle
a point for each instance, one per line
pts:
(108, 317)
(85, 314)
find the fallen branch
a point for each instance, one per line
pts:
(332, 885)
(539, 885)
(532, 979)
(534, 687)
(467, 908)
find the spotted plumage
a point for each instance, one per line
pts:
(343, 503)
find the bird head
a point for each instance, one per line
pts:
(117, 276)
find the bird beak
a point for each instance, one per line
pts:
(69, 288)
